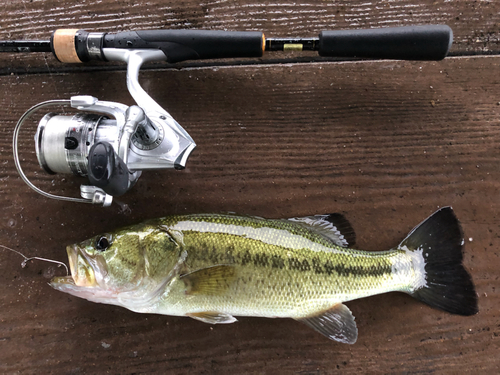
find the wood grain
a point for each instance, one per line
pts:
(386, 143)
(475, 23)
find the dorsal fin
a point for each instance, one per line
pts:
(334, 227)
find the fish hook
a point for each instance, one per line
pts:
(26, 259)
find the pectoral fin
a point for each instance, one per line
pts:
(213, 317)
(212, 281)
(337, 324)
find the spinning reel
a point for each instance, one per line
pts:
(109, 142)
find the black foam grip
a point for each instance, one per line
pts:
(430, 42)
(180, 45)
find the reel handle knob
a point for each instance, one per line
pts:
(107, 170)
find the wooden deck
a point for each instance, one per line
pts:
(384, 142)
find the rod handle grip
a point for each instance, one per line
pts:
(62, 43)
(181, 45)
(430, 42)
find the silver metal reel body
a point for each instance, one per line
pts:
(176, 145)
(143, 136)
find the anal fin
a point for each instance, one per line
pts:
(213, 317)
(336, 323)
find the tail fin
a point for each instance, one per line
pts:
(448, 286)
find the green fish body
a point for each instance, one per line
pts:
(215, 267)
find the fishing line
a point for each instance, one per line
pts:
(24, 263)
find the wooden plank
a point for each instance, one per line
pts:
(386, 143)
(475, 24)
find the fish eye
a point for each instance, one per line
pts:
(102, 243)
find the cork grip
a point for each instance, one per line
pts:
(63, 45)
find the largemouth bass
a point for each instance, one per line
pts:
(215, 267)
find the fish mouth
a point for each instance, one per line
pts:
(82, 272)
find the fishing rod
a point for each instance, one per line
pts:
(112, 143)
(405, 43)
